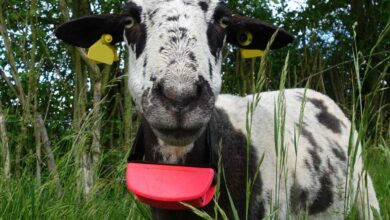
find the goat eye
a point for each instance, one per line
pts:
(224, 22)
(129, 22)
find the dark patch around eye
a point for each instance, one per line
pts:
(220, 11)
(136, 36)
(133, 10)
(215, 33)
(215, 36)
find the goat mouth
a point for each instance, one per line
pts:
(178, 136)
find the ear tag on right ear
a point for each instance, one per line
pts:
(245, 38)
(247, 54)
(102, 51)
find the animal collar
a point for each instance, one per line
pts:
(168, 186)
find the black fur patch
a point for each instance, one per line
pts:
(215, 38)
(161, 49)
(183, 32)
(298, 199)
(215, 33)
(339, 154)
(233, 149)
(326, 118)
(210, 70)
(316, 160)
(233, 145)
(136, 37)
(173, 18)
(133, 10)
(173, 39)
(145, 61)
(204, 6)
(192, 57)
(324, 198)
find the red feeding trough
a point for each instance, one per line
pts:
(167, 186)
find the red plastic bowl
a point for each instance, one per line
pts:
(165, 186)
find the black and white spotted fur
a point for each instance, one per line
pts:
(175, 80)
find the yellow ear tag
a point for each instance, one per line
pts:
(247, 54)
(102, 51)
(245, 38)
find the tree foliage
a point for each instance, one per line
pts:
(60, 86)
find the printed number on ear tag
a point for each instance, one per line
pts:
(102, 51)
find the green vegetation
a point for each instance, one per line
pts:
(58, 111)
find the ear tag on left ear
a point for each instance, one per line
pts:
(102, 51)
(245, 38)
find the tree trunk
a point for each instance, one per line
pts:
(97, 99)
(51, 165)
(38, 153)
(5, 144)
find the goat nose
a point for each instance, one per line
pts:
(179, 95)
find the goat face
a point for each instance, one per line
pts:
(174, 57)
(175, 77)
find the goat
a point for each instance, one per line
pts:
(175, 80)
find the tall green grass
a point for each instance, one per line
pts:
(24, 198)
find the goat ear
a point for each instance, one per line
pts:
(85, 31)
(249, 33)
